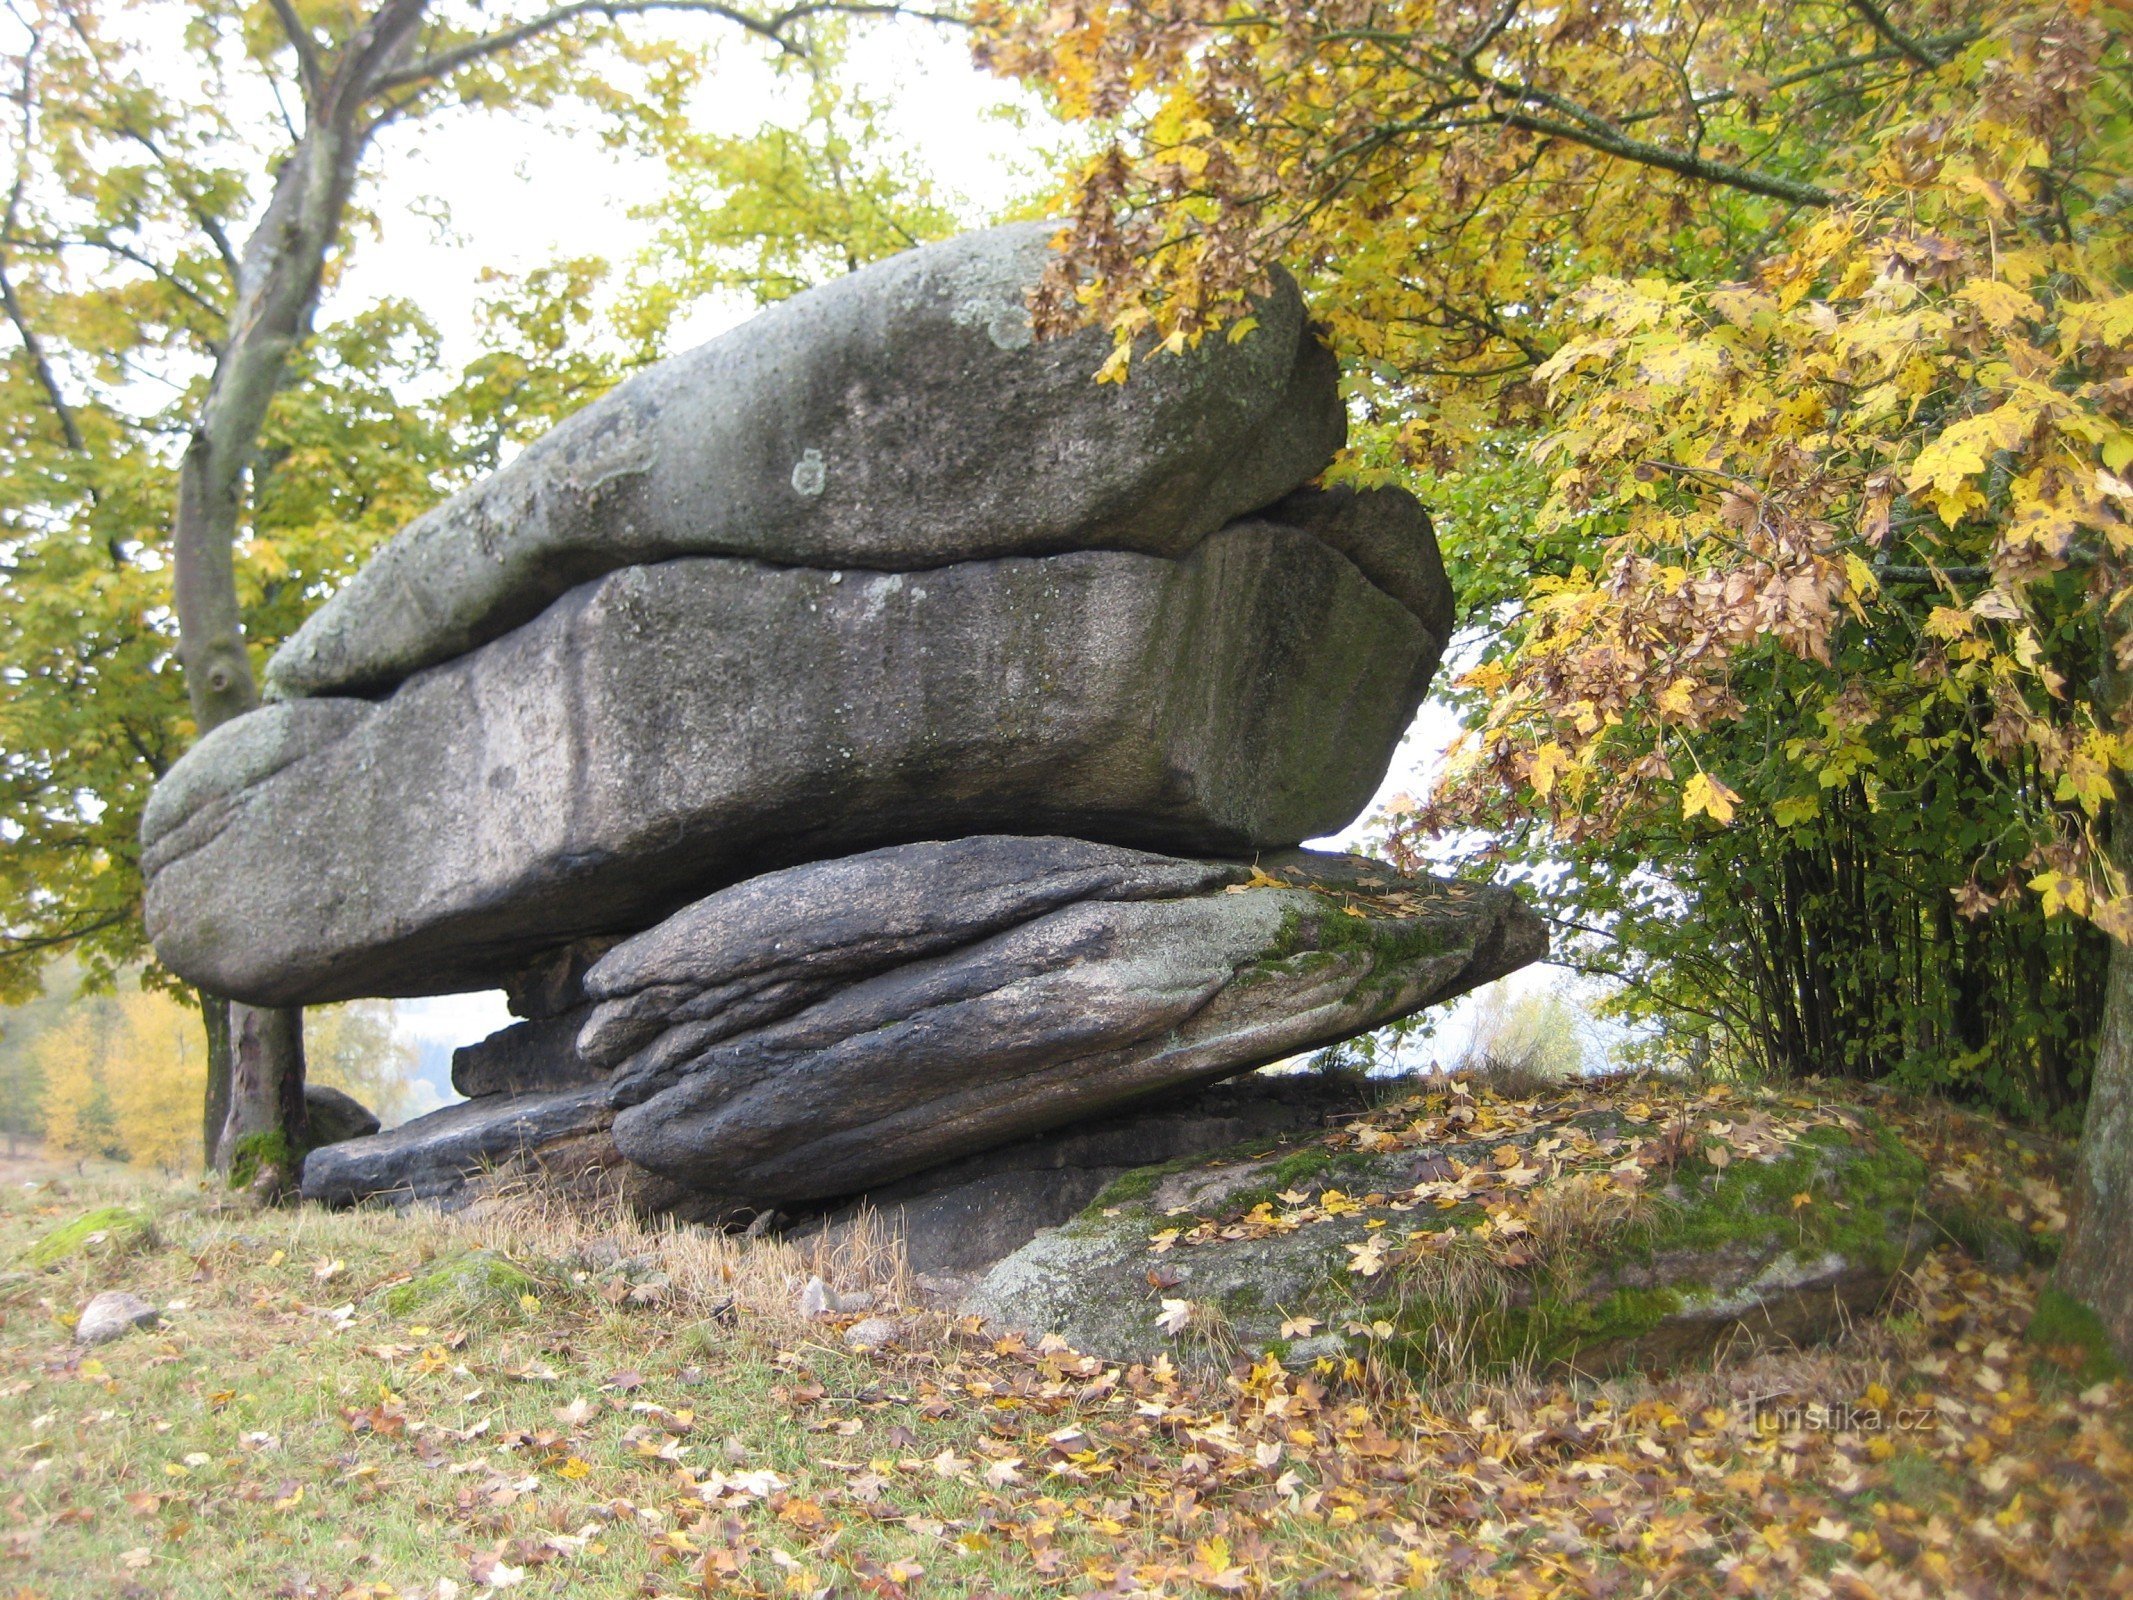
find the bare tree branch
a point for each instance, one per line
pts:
(306, 49)
(1877, 18)
(32, 345)
(772, 27)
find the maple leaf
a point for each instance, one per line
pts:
(1367, 1259)
(1707, 795)
(1175, 1317)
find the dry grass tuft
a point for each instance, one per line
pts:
(752, 1282)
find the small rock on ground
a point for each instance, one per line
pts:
(871, 1333)
(111, 1314)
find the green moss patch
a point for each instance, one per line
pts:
(255, 1153)
(2069, 1330)
(108, 1231)
(1833, 1191)
(471, 1281)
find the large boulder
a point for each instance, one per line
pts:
(897, 419)
(825, 1031)
(1605, 1229)
(672, 728)
(958, 1219)
(840, 1025)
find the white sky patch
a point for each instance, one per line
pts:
(453, 1019)
(474, 190)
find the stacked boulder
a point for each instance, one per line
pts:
(857, 743)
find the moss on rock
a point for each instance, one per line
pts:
(1786, 1248)
(470, 1281)
(108, 1231)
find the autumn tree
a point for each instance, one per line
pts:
(73, 1066)
(184, 179)
(353, 1047)
(1807, 328)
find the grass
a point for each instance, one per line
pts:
(527, 1399)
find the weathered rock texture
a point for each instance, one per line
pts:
(837, 1026)
(1715, 1257)
(434, 1156)
(672, 728)
(334, 1115)
(827, 1030)
(661, 728)
(896, 419)
(533, 1057)
(960, 1218)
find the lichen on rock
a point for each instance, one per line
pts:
(1594, 1229)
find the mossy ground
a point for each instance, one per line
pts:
(1848, 1192)
(466, 1282)
(105, 1232)
(2064, 1325)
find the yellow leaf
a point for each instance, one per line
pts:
(2061, 891)
(1550, 759)
(2000, 304)
(1704, 793)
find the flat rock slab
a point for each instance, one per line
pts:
(534, 1057)
(957, 1220)
(1260, 1248)
(899, 418)
(673, 728)
(434, 1156)
(987, 989)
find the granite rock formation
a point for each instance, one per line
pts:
(857, 745)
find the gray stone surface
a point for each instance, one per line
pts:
(435, 1155)
(535, 1057)
(763, 949)
(1388, 536)
(111, 1315)
(896, 419)
(916, 1058)
(336, 1116)
(959, 1218)
(1099, 1282)
(672, 728)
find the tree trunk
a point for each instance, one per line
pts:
(2097, 1268)
(215, 1020)
(267, 1128)
(277, 291)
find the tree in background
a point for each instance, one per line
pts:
(176, 429)
(353, 1047)
(79, 1117)
(155, 1070)
(1806, 330)
(795, 203)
